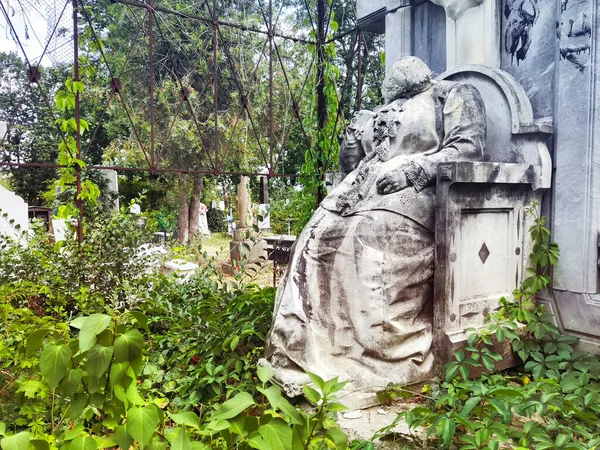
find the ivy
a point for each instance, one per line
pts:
(67, 150)
(323, 157)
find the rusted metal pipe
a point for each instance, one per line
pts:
(271, 138)
(321, 100)
(215, 24)
(78, 201)
(151, 84)
(210, 20)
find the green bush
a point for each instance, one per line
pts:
(216, 220)
(286, 211)
(230, 324)
(110, 267)
(175, 369)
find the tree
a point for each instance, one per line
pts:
(186, 134)
(32, 137)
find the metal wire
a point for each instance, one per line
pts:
(59, 36)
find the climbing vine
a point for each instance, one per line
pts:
(67, 150)
(323, 155)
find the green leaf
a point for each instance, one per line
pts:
(83, 443)
(182, 441)
(133, 395)
(2, 428)
(469, 405)
(234, 406)
(446, 430)
(505, 392)
(238, 426)
(18, 441)
(277, 433)
(234, 342)
(338, 437)
(98, 360)
(117, 371)
(121, 395)
(218, 425)
(317, 380)
(464, 372)
(336, 407)
(124, 440)
(70, 384)
(158, 443)
(141, 319)
(91, 327)
(187, 418)
(451, 371)
(107, 442)
(265, 373)
(142, 423)
(273, 394)
(55, 361)
(311, 394)
(40, 444)
(33, 387)
(290, 411)
(502, 408)
(75, 432)
(35, 339)
(128, 346)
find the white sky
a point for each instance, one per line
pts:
(30, 21)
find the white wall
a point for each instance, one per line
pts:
(16, 208)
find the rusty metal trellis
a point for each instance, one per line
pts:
(79, 10)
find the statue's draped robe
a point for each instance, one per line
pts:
(356, 300)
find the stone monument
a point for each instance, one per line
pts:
(357, 299)
(426, 187)
(241, 247)
(550, 50)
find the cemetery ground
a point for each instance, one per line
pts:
(98, 349)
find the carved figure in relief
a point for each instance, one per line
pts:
(356, 301)
(574, 34)
(521, 16)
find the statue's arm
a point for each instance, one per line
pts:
(464, 135)
(351, 151)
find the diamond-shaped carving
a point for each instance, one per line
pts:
(484, 252)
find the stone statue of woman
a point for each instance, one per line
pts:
(356, 301)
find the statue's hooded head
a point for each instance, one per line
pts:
(408, 77)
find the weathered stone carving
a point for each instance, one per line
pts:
(455, 8)
(481, 241)
(356, 301)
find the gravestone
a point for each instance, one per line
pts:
(243, 246)
(550, 48)
(421, 238)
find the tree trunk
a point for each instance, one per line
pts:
(194, 211)
(183, 226)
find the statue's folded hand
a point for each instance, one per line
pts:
(392, 181)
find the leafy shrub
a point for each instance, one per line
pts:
(207, 338)
(84, 392)
(286, 211)
(216, 220)
(108, 268)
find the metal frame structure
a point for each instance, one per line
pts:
(79, 11)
